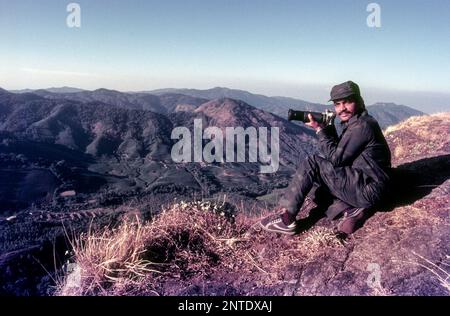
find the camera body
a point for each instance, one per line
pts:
(326, 118)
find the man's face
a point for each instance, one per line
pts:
(345, 108)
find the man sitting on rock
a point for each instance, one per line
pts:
(353, 168)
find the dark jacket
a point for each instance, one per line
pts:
(361, 146)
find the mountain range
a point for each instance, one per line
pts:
(169, 100)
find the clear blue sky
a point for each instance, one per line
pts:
(276, 47)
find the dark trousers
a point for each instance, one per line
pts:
(347, 184)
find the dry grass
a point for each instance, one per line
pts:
(185, 240)
(320, 237)
(419, 136)
(108, 256)
(421, 120)
(439, 273)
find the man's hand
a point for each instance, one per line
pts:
(314, 124)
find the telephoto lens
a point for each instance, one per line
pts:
(303, 116)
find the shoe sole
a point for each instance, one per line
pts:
(289, 233)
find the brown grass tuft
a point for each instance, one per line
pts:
(319, 237)
(183, 239)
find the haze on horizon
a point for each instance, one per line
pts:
(287, 48)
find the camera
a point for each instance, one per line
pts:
(326, 118)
